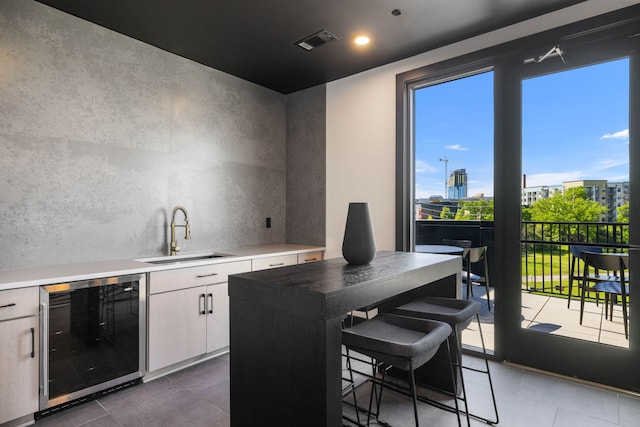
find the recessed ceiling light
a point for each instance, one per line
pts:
(362, 40)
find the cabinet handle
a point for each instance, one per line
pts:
(200, 276)
(33, 343)
(276, 265)
(210, 307)
(310, 259)
(13, 304)
(201, 303)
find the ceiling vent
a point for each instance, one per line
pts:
(316, 40)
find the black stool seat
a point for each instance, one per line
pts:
(458, 314)
(401, 342)
(397, 340)
(455, 312)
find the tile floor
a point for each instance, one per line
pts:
(199, 396)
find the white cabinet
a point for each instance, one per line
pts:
(310, 257)
(189, 312)
(274, 261)
(18, 353)
(217, 316)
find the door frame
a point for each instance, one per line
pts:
(603, 37)
(555, 353)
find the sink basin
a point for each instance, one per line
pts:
(180, 259)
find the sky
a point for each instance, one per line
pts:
(575, 126)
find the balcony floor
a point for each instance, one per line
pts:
(550, 315)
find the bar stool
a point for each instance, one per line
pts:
(402, 342)
(458, 314)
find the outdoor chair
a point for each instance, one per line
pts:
(612, 263)
(576, 257)
(476, 256)
(473, 256)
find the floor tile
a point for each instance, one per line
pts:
(199, 396)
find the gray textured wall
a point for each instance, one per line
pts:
(306, 166)
(101, 136)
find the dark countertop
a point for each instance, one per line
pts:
(332, 287)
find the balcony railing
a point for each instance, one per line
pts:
(546, 258)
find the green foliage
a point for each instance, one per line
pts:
(623, 213)
(570, 206)
(446, 213)
(475, 210)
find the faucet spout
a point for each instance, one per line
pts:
(187, 233)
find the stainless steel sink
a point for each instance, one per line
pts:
(180, 259)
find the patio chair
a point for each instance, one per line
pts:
(613, 263)
(577, 255)
(476, 256)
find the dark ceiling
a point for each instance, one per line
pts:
(254, 39)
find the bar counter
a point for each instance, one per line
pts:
(285, 327)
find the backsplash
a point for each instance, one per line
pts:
(102, 135)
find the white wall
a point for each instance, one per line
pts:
(361, 125)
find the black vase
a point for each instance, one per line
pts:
(358, 246)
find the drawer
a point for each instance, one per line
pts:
(182, 278)
(19, 302)
(310, 257)
(274, 261)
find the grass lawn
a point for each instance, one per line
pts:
(555, 268)
(547, 264)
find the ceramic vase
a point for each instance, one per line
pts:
(358, 246)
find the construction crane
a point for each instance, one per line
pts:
(446, 175)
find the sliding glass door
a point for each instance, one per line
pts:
(571, 114)
(566, 112)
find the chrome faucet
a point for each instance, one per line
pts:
(187, 233)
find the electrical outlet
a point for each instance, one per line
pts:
(268, 222)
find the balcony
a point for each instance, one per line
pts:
(546, 261)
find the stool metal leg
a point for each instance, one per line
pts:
(488, 372)
(414, 392)
(458, 364)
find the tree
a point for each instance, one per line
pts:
(623, 213)
(623, 216)
(570, 206)
(446, 213)
(476, 210)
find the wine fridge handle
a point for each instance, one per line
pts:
(44, 349)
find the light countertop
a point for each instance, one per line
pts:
(36, 276)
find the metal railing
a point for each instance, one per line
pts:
(546, 251)
(546, 255)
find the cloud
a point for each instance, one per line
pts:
(610, 163)
(456, 147)
(424, 167)
(623, 134)
(538, 179)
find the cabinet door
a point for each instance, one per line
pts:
(177, 326)
(310, 257)
(274, 261)
(217, 317)
(18, 368)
